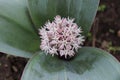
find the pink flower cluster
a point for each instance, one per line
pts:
(61, 37)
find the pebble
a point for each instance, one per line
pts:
(118, 33)
(104, 44)
(6, 65)
(15, 69)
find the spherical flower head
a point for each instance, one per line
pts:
(61, 37)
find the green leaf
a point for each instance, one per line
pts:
(83, 11)
(89, 64)
(17, 36)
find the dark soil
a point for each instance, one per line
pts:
(11, 67)
(105, 34)
(106, 28)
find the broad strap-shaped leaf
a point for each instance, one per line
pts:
(83, 11)
(17, 36)
(89, 64)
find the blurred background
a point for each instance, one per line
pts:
(105, 34)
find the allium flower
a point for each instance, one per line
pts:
(61, 37)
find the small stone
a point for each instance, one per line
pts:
(118, 33)
(0, 64)
(104, 44)
(6, 65)
(14, 69)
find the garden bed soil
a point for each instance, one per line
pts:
(105, 35)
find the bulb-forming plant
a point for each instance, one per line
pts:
(52, 33)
